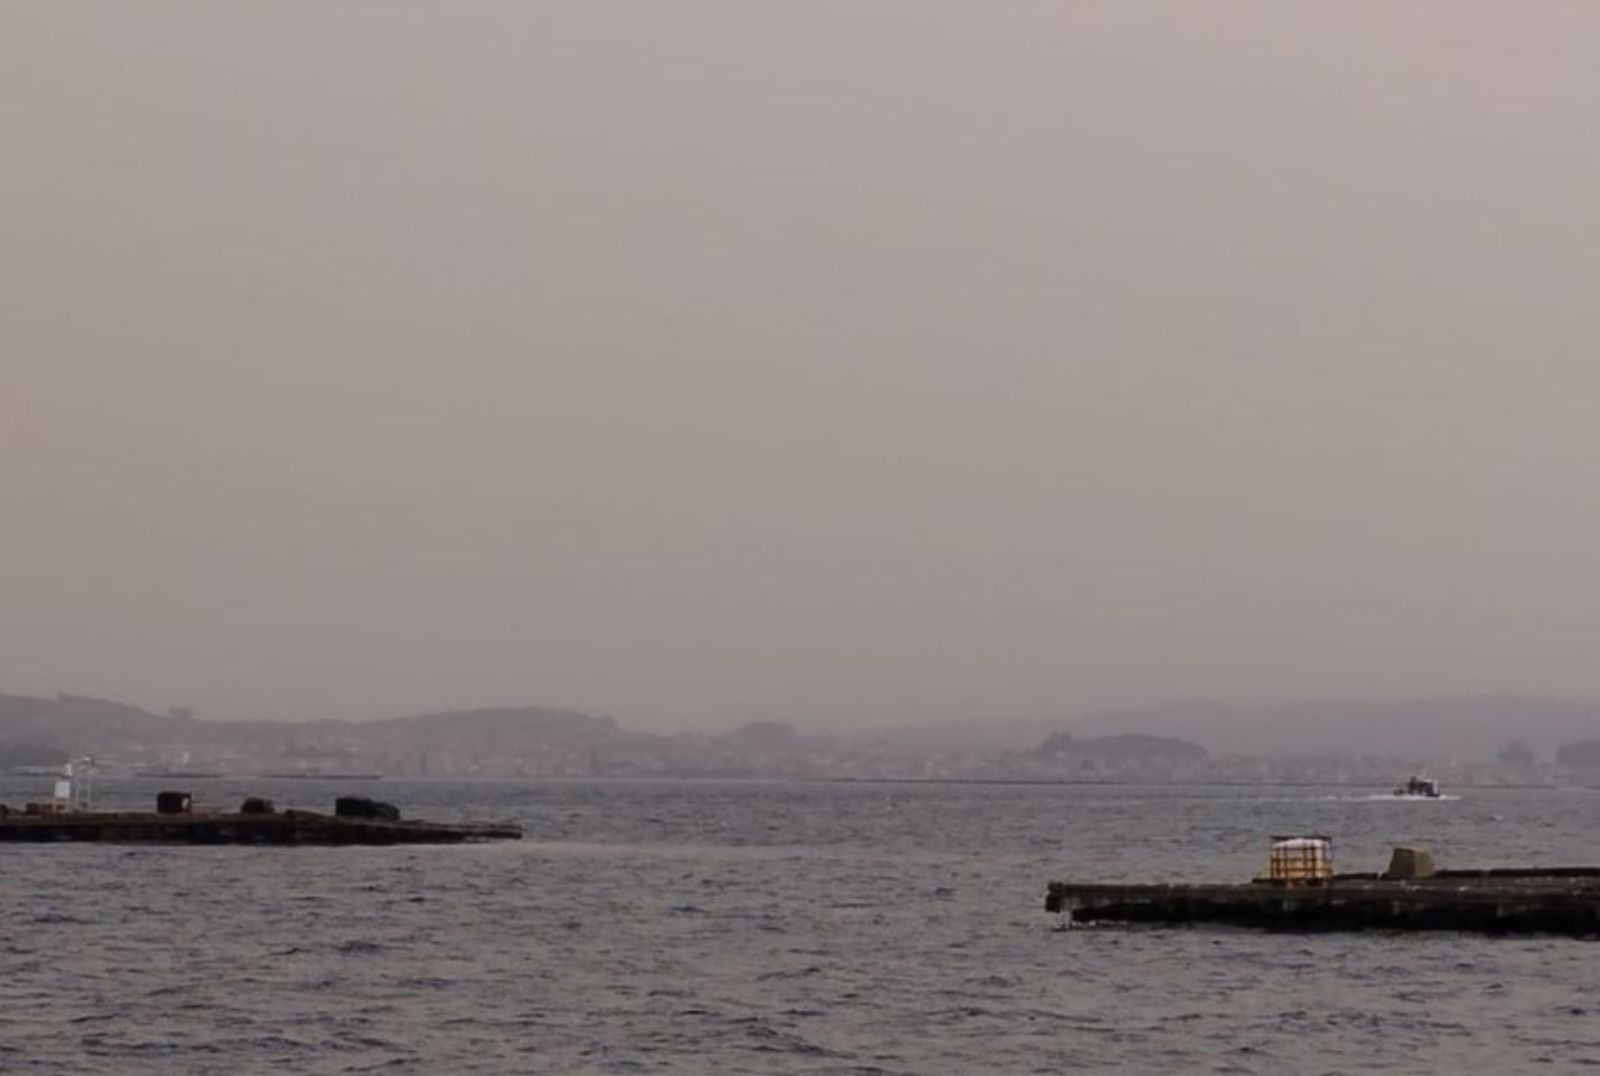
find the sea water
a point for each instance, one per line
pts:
(768, 927)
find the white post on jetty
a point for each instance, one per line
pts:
(74, 789)
(83, 787)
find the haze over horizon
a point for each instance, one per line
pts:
(821, 363)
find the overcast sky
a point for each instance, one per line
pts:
(833, 362)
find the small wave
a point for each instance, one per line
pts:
(358, 946)
(1351, 797)
(800, 973)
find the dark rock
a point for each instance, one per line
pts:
(173, 802)
(1407, 864)
(363, 807)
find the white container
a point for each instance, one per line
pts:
(1300, 860)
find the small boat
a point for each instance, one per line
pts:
(1419, 787)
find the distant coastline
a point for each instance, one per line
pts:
(1479, 741)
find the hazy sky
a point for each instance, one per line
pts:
(829, 362)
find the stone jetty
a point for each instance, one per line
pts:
(1411, 895)
(356, 820)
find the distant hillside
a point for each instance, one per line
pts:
(1468, 727)
(1128, 746)
(459, 729)
(68, 721)
(1581, 753)
(1464, 727)
(973, 734)
(1177, 738)
(44, 731)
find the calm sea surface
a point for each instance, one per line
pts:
(698, 927)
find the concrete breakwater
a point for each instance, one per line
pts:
(1552, 904)
(1300, 892)
(356, 820)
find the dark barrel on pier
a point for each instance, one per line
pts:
(173, 802)
(364, 807)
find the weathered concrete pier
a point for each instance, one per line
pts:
(355, 820)
(1411, 895)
